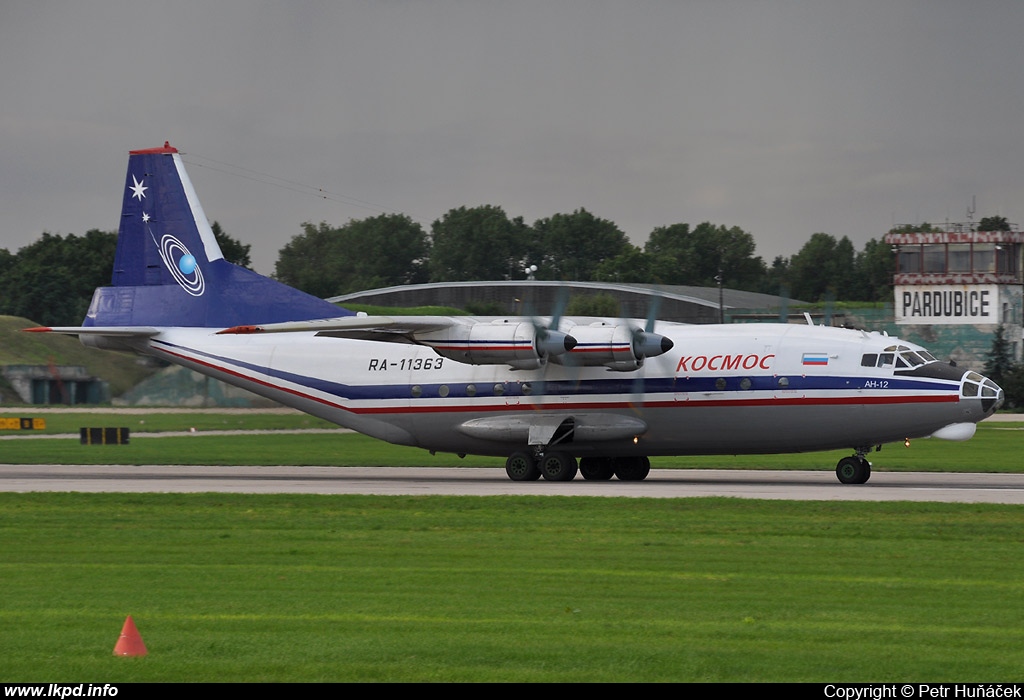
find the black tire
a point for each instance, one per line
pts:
(596, 468)
(632, 468)
(558, 466)
(521, 466)
(853, 470)
(866, 466)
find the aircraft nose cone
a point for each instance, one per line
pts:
(975, 386)
(992, 397)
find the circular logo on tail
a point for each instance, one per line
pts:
(182, 265)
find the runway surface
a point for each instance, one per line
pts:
(424, 481)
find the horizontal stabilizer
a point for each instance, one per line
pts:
(109, 331)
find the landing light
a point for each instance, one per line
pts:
(906, 442)
(636, 439)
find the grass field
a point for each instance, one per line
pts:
(360, 588)
(351, 588)
(996, 447)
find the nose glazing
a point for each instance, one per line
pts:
(975, 386)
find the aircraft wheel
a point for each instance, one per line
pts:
(558, 466)
(521, 466)
(596, 468)
(853, 470)
(632, 468)
(866, 465)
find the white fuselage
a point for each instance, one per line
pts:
(721, 389)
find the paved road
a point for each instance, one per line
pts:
(662, 483)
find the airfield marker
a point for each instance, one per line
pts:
(130, 642)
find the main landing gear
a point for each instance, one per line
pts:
(561, 466)
(855, 469)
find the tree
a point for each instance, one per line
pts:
(776, 278)
(994, 223)
(999, 360)
(633, 265)
(593, 305)
(873, 270)
(234, 251)
(7, 262)
(669, 251)
(311, 261)
(380, 251)
(914, 228)
(574, 245)
(684, 256)
(480, 243)
(384, 251)
(52, 280)
(824, 267)
(1013, 386)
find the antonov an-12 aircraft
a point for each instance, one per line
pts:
(543, 392)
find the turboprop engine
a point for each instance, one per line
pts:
(617, 346)
(514, 342)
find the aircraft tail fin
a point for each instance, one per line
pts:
(169, 269)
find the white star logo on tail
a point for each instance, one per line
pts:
(138, 190)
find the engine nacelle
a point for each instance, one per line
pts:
(514, 342)
(619, 347)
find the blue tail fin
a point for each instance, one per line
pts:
(169, 270)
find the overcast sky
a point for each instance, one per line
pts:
(782, 118)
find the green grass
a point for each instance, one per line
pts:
(352, 588)
(261, 588)
(121, 370)
(995, 448)
(69, 423)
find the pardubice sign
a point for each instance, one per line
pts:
(947, 304)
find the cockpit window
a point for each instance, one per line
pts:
(913, 358)
(904, 357)
(869, 359)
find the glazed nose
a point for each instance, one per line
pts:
(975, 386)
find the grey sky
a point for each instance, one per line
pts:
(782, 118)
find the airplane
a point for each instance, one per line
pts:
(556, 396)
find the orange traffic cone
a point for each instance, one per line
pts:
(130, 642)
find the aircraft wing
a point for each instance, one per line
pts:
(380, 328)
(517, 342)
(106, 331)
